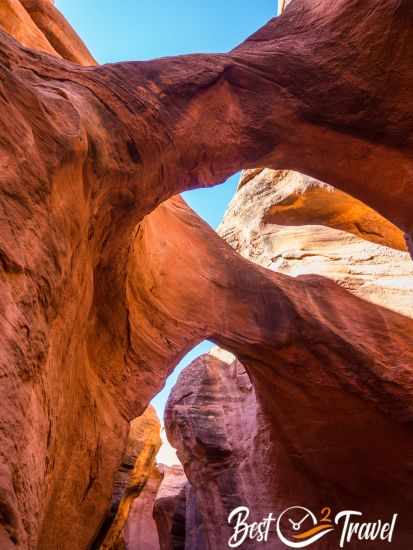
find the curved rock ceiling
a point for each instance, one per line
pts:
(108, 278)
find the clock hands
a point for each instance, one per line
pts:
(297, 524)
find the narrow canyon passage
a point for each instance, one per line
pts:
(108, 278)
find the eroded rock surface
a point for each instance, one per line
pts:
(214, 420)
(294, 224)
(94, 316)
(59, 33)
(170, 508)
(264, 450)
(195, 538)
(137, 468)
(140, 531)
(177, 514)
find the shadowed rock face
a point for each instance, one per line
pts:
(176, 512)
(195, 538)
(214, 420)
(234, 457)
(170, 509)
(105, 283)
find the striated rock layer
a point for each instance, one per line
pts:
(170, 509)
(105, 283)
(294, 224)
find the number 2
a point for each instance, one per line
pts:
(326, 513)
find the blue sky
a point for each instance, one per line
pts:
(145, 29)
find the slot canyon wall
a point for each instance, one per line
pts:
(170, 509)
(108, 278)
(129, 520)
(176, 511)
(223, 441)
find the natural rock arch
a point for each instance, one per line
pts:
(93, 315)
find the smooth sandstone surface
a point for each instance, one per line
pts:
(60, 471)
(105, 284)
(59, 33)
(294, 224)
(16, 21)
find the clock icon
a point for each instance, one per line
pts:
(297, 527)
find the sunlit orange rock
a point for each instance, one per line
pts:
(140, 530)
(130, 500)
(105, 283)
(58, 31)
(17, 21)
(294, 224)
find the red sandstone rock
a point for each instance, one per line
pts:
(170, 509)
(58, 32)
(17, 21)
(176, 512)
(293, 224)
(195, 538)
(354, 84)
(236, 451)
(137, 468)
(235, 454)
(213, 418)
(140, 531)
(97, 306)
